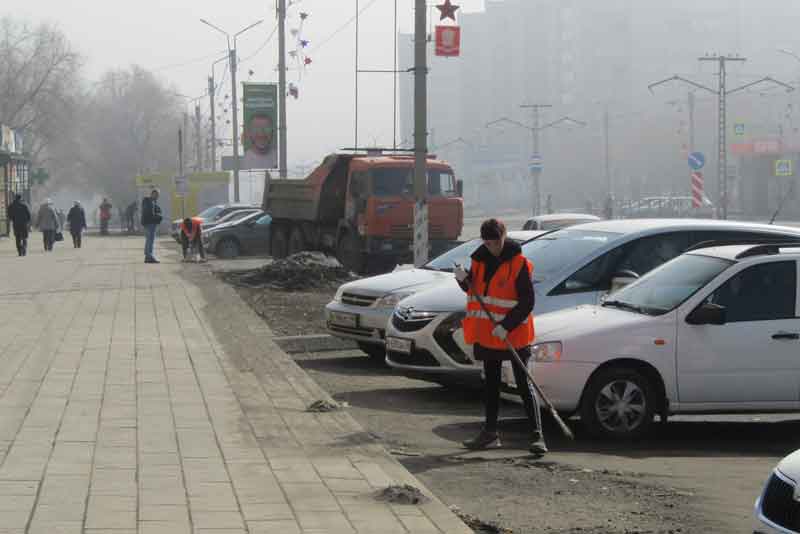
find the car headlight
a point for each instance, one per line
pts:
(547, 352)
(392, 299)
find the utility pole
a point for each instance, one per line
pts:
(183, 139)
(282, 148)
(536, 164)
(235, 109)
(211, 91)
(180, 164)
(420, 133)
(722, 92)
(198, 135)
(691, 121)
(606, 135)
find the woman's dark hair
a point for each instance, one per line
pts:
(492, 229)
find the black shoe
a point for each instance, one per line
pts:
(485, 440)
(151, 260)
(538, 446)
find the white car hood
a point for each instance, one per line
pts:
(410, 279)
(790, 466)
(444, 297)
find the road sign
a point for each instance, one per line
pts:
(536, 163)
(181, 185)
(738, 129)
(783, 167)
(697, 161)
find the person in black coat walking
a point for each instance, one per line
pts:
(20, 217)
(77, 223)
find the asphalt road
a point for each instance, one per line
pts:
(695, 474)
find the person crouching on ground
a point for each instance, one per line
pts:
(503, 277)
(77, 223)
(192, 237)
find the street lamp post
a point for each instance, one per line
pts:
(235, 103)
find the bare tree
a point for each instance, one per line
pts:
(39, 85)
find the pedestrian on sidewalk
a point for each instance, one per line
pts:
(151, 218)
(20, 217)
(503, 277)
(77, 223)
(105, 216)
(192, 238)
(47, 223)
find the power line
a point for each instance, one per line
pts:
(262, 47)
(186, 63)
(344, 26)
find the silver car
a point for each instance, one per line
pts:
(361, 309)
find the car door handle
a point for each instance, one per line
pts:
(786, 335)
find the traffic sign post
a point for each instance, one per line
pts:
(182, 189)
(738, 129)
(698, 186)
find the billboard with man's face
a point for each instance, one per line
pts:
(260, 135)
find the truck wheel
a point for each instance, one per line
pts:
(279, 245)
(619, 403)
(228, 248)
(296, 241)
(349, 253)
(376, 353)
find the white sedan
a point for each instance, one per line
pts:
(716, 330)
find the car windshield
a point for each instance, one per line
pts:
(393, 182)
(461, 255)
(264, 220)
(552, 252)
(235, 216)
(667, 287)
(560, 223)
(210, 213)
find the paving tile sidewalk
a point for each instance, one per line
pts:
(150, 399)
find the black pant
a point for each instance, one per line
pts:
(49, 237)
(76, 239)
(21, 238)
(197, 242)
(492, 368)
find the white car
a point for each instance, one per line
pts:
(361, 309)
(572, 266)
(777, 507)
(716, 330)
(555, 221)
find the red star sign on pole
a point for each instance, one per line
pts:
(447, 10)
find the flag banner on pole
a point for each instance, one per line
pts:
(448, 41)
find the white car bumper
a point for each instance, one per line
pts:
(360, 323)
(437, 351)
(562, 382)
(776, 505)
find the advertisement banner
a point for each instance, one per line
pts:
(448, 41)
(7, 139)
(259, 138)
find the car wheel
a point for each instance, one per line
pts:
(279, 244)
(297, 242)
(375, 352)
(228, 248)
(349, 254)
(619, 403)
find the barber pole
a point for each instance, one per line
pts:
(697, 189)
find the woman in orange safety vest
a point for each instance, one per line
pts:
(191, 235)
(503, 277)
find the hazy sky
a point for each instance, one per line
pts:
(160, 34)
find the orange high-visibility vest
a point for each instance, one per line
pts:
(500, 297)
(196, 222)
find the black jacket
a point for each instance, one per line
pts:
(76, 218)
(19, 214)
(526, 298)
(151, 212)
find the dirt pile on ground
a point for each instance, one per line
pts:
(478, 525)
(299, 272)
(324, 406)
(405, 494)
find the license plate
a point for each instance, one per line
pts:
(396, 344)
(344, 319)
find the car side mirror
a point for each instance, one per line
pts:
(460, 187)
(621, 279)
(707, 313)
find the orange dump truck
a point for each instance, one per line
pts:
(361, 207)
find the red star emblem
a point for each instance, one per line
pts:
(447, 10)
